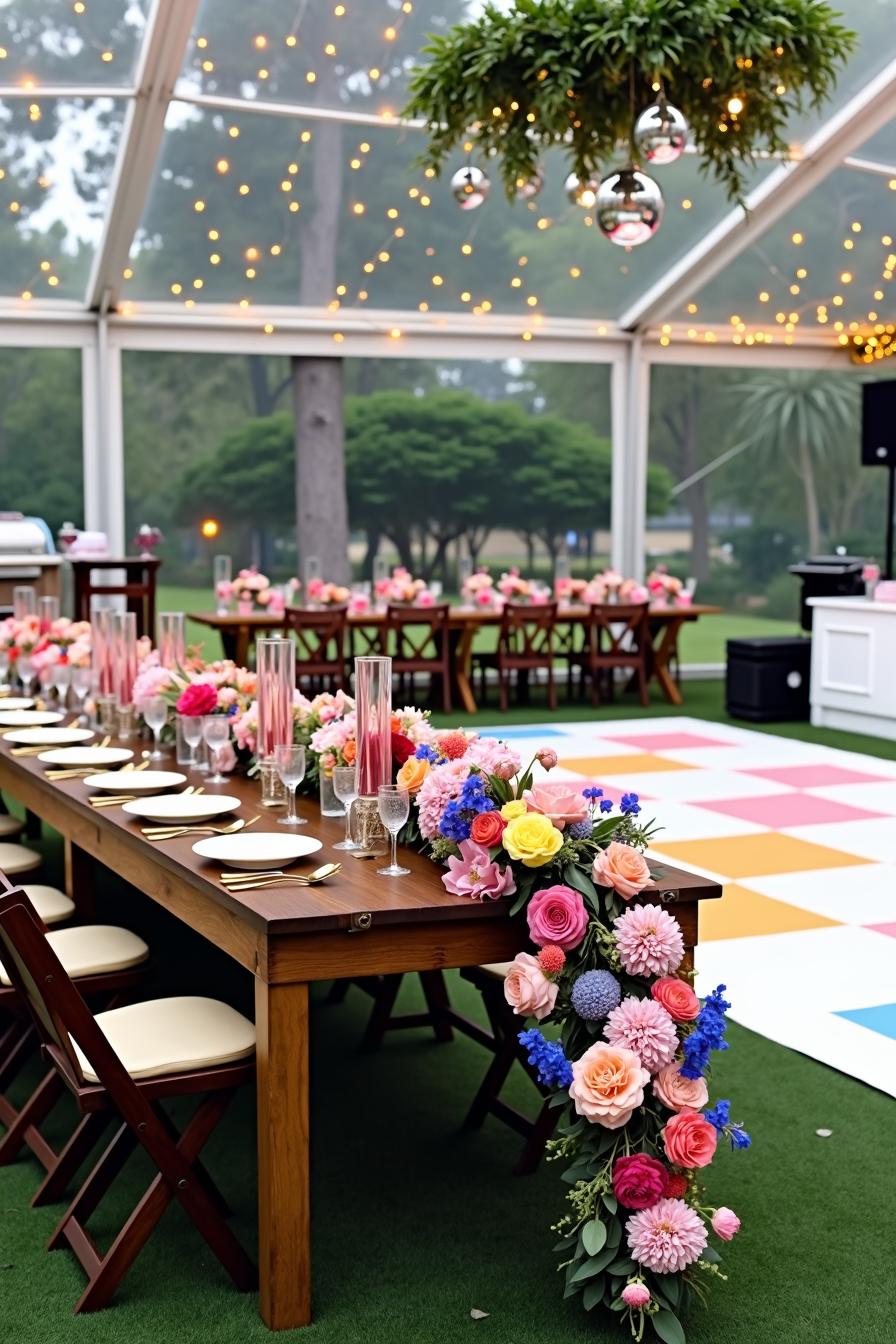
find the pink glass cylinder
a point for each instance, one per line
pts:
(124, 625)
(103, 651)
(373, 703)
(171, 641)
(275, 670)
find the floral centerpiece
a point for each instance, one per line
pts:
(570, 590)
(401, 586)
(321, 594)
(248, 589)
(63, 642)
(196, 689)
(478, 589)
(663, 586)
(611, 586)
(629, 1061)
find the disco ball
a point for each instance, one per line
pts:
(661, 134)
(581, 193)
(470, 187)
(527, 188)
(629, 207)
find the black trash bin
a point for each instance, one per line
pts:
(828, 576)
(767, 680)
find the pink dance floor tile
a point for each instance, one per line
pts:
(781, 810)
(667, 741)
(816, 776)
(888, 929)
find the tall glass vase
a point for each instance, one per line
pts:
(275, 668)
(171, 640)
(103, 660)
(222, 573)
(24, 602)
(124, 626)
(373, 704)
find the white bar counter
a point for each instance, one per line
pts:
(853, 684)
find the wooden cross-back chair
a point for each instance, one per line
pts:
(617, 636)
(139, 587)
(319, 635)
(526, 644)
(80, 1048)
(418, 640)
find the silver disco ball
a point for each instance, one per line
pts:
(527, 188)
(581, 193)
(661, 134)
(470, 187)
(629, 207)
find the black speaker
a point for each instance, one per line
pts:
(879, 424)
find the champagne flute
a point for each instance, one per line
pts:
(290, 763)
(25, 669)
(393, 804)
(191, 728)
(81, 681)
(345, 787)
(216, 732)
(62, 679)
(155, 716)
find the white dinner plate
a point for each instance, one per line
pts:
(49, 737)
(138, 781)
(251, 849)
(29, 718)
(77, 757)
(186, 807)
(10, 702)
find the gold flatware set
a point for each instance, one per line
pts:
(174, 832)
(275, 877)
(116, 799)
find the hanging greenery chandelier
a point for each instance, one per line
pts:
(621, 86)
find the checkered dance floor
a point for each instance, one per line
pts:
(803, 838)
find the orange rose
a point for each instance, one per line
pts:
(608, 1084)
(689, 1140)
(622, 868)
(412, 774)
(350, 751)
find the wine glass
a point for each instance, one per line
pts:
(290, 763)
(216, 732)
(81, 681)
(394, 805)
(4, 668)
(345, 787)
(191, 729)
(62, 679)
(155, 716)
(25, 669)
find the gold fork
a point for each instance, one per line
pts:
(173, 832)
(248, 881)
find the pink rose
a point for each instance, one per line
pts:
(677, 997)
(638, 1180)
(725, 1223)
(546, 757)
(622, 868)
(475, 875)
(557, 915)
(527, 989)
(197, 698)
(678, 1093)
(563, 803)
(608, 1085)
(689, 1140)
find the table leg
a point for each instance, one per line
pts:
(463, 666)
(284, 1217)
(80, 879)
(661, 654)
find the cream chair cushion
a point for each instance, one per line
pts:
(10, 825)
(498, 969)
(18, 859)
(51, 904)
(94, 949)
(173, 1036)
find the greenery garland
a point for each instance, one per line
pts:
(577, 73)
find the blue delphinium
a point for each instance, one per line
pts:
(606, 805)
(473, 797)
(595, 994)
(708, 1035)
(629, 805)
(592, 794)
(454, 825)
(719, 1116)
(547, 1058)
(427, 753)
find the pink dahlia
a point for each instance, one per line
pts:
(649, 941)
(667, 1237)
(636, 1295)
(644, 1026)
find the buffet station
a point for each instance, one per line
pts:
(853, 655)
(27, 556)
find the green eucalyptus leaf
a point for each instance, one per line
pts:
(668, 1327)
(593, 1294)
(594, 1236)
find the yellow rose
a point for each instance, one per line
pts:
(532, 839)
(518, 808)
(412, 774)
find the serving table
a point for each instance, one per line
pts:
(353, 925)
(238, 633)
(853, 653)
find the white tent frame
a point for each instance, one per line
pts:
(102, 327)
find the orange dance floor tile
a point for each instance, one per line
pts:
(639, 763)
(758, 855)
(742, 913)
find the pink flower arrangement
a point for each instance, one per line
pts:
(649, 941)
(474, 874)
(196, 699)
(401, 586)
(557, 915)
(643, 1026)
(563, 803)
(321, 594)
(247, 587)
(667, 1237)
(479, 589)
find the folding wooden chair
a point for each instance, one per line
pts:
(617, 637)
(526, 644)
(320, 637)
(123, 1064)
(418, 640)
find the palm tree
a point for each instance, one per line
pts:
(802, 417)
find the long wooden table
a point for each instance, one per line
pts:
(356, 924)
(238, 633)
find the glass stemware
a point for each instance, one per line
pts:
(62, 679)
(4, 668)
(25, 670)
(216, 732)
(155, 716)
(82, 678)
(345, 787)
(290, 763)
(394, 805)
(191, 729)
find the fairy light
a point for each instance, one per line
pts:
(735, 105)
(797, 239)
(107, 56)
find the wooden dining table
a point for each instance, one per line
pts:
(239, 631)
(288, 937)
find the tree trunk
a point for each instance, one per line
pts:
(810, 495)
(373, 544)
(529, 539)
(321, 506)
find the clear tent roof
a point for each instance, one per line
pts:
(282, 177)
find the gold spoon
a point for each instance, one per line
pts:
(245, 881)
(172, 832)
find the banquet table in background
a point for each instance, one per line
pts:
(238, 634)
(354, 925)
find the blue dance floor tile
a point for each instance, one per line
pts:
(881, 1018)
(532, 730)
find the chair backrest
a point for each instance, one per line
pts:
(527, 632)
(619, 629)
(139, 588)
(319, 635)
(417, 634)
